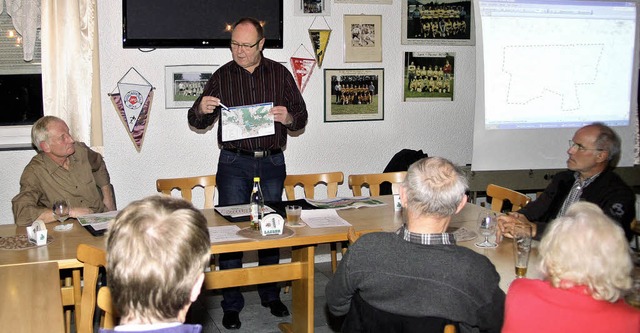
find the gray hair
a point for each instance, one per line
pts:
(39, 132)
(608, 140)
(435, 186)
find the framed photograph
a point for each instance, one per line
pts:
(353, 94)
(375, 2)
(444, 22)
(184, 84)
(363, 38)
(428, 76)
(312, 8)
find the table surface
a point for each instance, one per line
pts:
(63, 248)
(32, 289)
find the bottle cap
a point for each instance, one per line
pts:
(256, 179)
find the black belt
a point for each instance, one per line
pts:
(254, 153)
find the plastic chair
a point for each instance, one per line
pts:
(373, 180)
(499, 194)
(308, 183)
(186, 185)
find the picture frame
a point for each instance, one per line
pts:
(312, 8)
(353, 94)
(440, 22)
(363, 38)
(357, 2)
(184, 84)
(428, 76)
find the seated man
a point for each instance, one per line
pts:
(593, 152)
(62, 169)
(157, 250)
(419, 271)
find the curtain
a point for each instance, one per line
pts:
(70, 67)
(25, 16)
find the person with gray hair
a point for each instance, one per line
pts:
(157, 251)
(586, 260)
(418, 273)
(63, 169)
(593, 153)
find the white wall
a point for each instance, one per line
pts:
(171, 149)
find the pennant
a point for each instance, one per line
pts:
(319, 41)
(302, 70)
(133, 97)
(137, 129)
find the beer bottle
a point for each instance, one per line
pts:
(256, 204)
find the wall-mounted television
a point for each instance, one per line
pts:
(195, 23)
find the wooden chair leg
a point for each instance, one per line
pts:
(67, 313)
(334, 257)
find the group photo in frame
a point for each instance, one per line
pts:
(428, 76)
(184, 83)
(353, 94)
(445, 22)
(312, 8)
(374, 2)
(363, 38)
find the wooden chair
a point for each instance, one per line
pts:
(498, 194)
(108, 321)
(186, 185)
(353, 235)
(356, 182)
(308, 183)
(92, 258)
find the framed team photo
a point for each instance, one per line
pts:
(363, 38)
(184, 83)
(312, 7)
(428, 76)
(353, 94)
(440, 22)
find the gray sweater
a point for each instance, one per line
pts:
(397, 276)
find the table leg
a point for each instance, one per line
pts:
(302, 293)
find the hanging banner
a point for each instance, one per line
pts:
(319, 41)
(133, 104)
(302, 70)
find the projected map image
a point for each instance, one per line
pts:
(561, 65)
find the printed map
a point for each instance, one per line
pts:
(247, 121)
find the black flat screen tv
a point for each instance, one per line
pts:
(195, 23)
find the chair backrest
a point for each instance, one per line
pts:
(186, 185)
(309, 182)
(353, 235)
(498, 194)
(92, 258)
(356, 182)
(105, 304)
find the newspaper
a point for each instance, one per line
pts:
(346, 203)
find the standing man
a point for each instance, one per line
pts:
(250, 79)
(419, 271)
(593, 153)
(62, 169)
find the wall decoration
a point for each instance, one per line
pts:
(353, 94)
(363, 38)
(312, 8)
(448, 22)
(319, 35)
(184, 84)
(428, 76)
(133, 104)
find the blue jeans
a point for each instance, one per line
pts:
(234, 180)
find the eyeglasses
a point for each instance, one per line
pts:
(236, 46)
(581, 147)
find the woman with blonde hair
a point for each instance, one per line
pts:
(587, 263)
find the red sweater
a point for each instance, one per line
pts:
(536, 306)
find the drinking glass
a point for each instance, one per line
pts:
(487, 223)
(293, 215)
(521, 248)
(61, 210)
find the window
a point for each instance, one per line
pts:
(20, 88)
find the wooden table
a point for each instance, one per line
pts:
(301, 269)
(31, 300)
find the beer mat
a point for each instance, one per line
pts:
(250, 233)
(19, 242)
(462, 234)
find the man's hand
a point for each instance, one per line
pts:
(506, 224)
(208, 104)
(281, 115)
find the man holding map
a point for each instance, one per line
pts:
(252, 133)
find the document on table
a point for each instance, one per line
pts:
(323, 218)
(224, 233)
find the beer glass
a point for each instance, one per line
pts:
(521, 248)
(487, 223)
